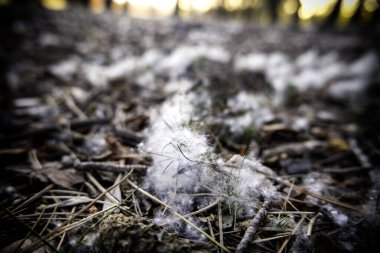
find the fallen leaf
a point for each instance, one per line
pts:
(66, 178)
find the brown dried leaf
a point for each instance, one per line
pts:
(65, 178)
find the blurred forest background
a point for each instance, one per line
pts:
(351, 14)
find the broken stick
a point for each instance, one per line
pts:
(253, 226)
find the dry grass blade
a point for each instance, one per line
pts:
(216, 202)
(68, 192)
(34, 226)
(65, 226)
(292, 233)
(109, 196)
(155, 199)
(290, 212)
(24, 216)
(34, 197)
(271, 238)
(48, 222)
(111, 209)
(220, 221)
(73, 201)
(64, 234)
(35, 233)
(311, 224)
(302, 189)
(115, 192)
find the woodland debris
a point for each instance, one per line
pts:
(102, 166)
(253, 226)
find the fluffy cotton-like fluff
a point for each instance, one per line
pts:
(245, 101)
(132, 64)
(121, 68)
(253, 62)
(256, 111)
(335, 215)
(94, 74)
(181, 85)
(180, 161)
(65, 69)
(179, 152)
(184, 163)
(177, 158)
(310, 71)
(182, 57)
(347, 88)
(245, 183)
(316, 182)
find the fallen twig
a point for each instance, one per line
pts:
(38, 132)
(127, 136)
(253, 226)
(293, 148)
(360, 156)
(350, 170)
(109, 167)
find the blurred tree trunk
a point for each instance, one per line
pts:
(333, 16)
(84, 3)
(295, 17)
(177, 9)
(16, 11)
(80, 3)
(221, 9)
(355, 20)
(272, 6)
(373, 24)
(108, 4)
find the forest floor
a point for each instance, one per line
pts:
(129, 135)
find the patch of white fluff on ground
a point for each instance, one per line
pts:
(183, 164)
(311, 71)
(207, 35)
(182, 57)
(179, 152)
(317, 182)
(182, 85)
(336, 216)
(132, 64)
(65, 69)
(180, 160)
(94, 75)
(255, 108)
(100, 76)
(244, 183)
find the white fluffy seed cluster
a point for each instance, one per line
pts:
(183, 164)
